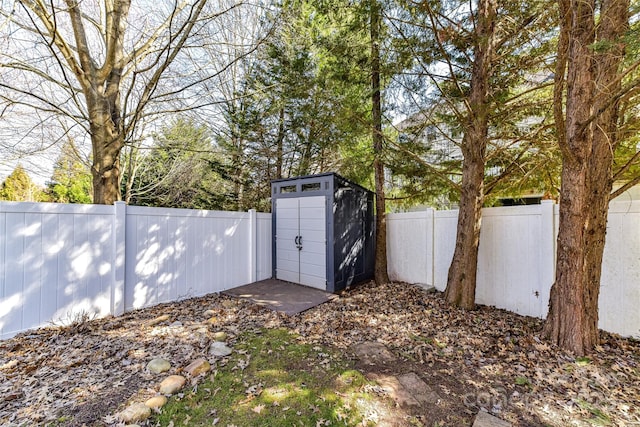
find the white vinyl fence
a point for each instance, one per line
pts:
(58, 262)
(516, 264)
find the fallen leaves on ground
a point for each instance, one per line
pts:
(484, 359)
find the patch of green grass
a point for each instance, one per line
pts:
(582, 361)
(598, 417)
(274, 380)
(59, 422)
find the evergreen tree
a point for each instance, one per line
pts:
(473, 62)
(308, 96)
(71, 178)
(520, 149)
(18, 187)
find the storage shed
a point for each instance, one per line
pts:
(323, 231)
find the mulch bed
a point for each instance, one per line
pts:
(484, 359)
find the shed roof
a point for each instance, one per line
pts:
(334, 174)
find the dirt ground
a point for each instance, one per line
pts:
(486, 359)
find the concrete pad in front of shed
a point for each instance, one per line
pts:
(484, 419)
(278, 295)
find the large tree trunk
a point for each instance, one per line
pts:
(381, 274)
(587, 143)
(107, 141)
(461, 280)
(101, 89)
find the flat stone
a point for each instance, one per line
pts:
(158, 365)
(134, 412)
(418, 388)
(429, 289)
(156, 402)
(209, 313)
(219, 349)
(172, 384)
(220, 336)
(373, 352)
(198, 367)
(484, 419)
(394, 389)
(9, 365)
(158, 319)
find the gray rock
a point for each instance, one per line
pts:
(394, 389)
(172, 384)
(418, 388)
(134, 413)
(158, 365)
(209, 313)
(429, 289)
(219, 349)
(372, 353)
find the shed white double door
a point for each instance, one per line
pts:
(301, 241)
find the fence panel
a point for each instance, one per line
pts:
(510, 261)
(263, 246)
(174, 254)
(56, 264)
(410, 247)
(620, 283)
(444, 233)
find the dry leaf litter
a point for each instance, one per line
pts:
(487, 359)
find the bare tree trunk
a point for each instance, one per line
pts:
(131, 161)
(304, 167)
(280, 143)
(107, 139)
(587, 151)
(380, 270)
(461, 280)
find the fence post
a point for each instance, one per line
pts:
(430, 249)
(547, 255)
(119, 254)
(253, 245)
